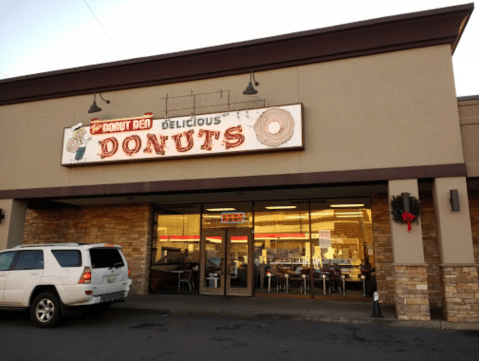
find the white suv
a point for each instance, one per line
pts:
(51, 278)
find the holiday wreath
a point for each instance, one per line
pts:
(401, 216)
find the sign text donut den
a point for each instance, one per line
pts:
(147, 138)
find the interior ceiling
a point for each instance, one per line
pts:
(336, 194)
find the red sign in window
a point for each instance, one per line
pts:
(232, 217)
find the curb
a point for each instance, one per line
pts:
(433, 324)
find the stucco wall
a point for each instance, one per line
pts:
(469, 119)
(387, 110)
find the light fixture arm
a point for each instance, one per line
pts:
(106, 101)
(251, 79)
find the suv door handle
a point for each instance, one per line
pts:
(34, 273)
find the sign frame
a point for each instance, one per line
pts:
(188, 156)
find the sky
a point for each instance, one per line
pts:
(44, 35)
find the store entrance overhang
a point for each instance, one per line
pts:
(232, 195)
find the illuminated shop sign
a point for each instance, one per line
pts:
(145, 138)
(232, 217)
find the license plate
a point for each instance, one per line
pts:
(111, 279)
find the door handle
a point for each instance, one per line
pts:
(34, 273)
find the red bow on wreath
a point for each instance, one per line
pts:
(408, 217)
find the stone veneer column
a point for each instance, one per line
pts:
(458, 269)
(411, 295)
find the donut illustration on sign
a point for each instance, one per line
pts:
(274, 127)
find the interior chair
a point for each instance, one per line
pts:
(333, 278)
(187, 277)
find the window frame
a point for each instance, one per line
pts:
(15, 262)
(68, 250)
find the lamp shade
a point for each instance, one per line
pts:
(94, 108)
(250, 90)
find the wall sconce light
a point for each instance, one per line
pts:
(405, 202)
(2, 216)
(95, 108)
(455, 200)
(249, 89)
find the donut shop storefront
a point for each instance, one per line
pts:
(265, 248)
(261, 246)
(279, 190)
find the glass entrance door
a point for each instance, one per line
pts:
(226, 266)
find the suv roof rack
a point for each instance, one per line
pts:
(71, 244)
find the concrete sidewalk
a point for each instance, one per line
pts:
(284, 308)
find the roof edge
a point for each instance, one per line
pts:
(398, 32)
(467, 98)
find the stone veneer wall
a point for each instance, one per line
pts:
(412, 299)
(461, 294)
(382, 248)
(431, 249)
(127, 225)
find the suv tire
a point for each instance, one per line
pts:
(45, 310)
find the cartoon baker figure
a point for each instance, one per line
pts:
(77, 144)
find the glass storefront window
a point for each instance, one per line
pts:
(270, 246)
(176, 249)
(342, 243)
(282, 246)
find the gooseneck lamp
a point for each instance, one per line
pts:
(250, 90)
(95, 108)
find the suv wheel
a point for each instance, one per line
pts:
(45, 310)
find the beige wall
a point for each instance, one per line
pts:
(387, 110)
(453, 228)
(469, 119)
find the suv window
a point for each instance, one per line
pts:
(6, 259)
(68, 258)
(29, 260)
(105, 258)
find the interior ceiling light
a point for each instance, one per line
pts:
(346, 205)
(249, 89)
(344, 213)
(280, 207)
(95, 108)
(221, 209)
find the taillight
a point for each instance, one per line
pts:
(129, 273)
(86, 275)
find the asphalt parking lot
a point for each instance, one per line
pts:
(123, 334)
